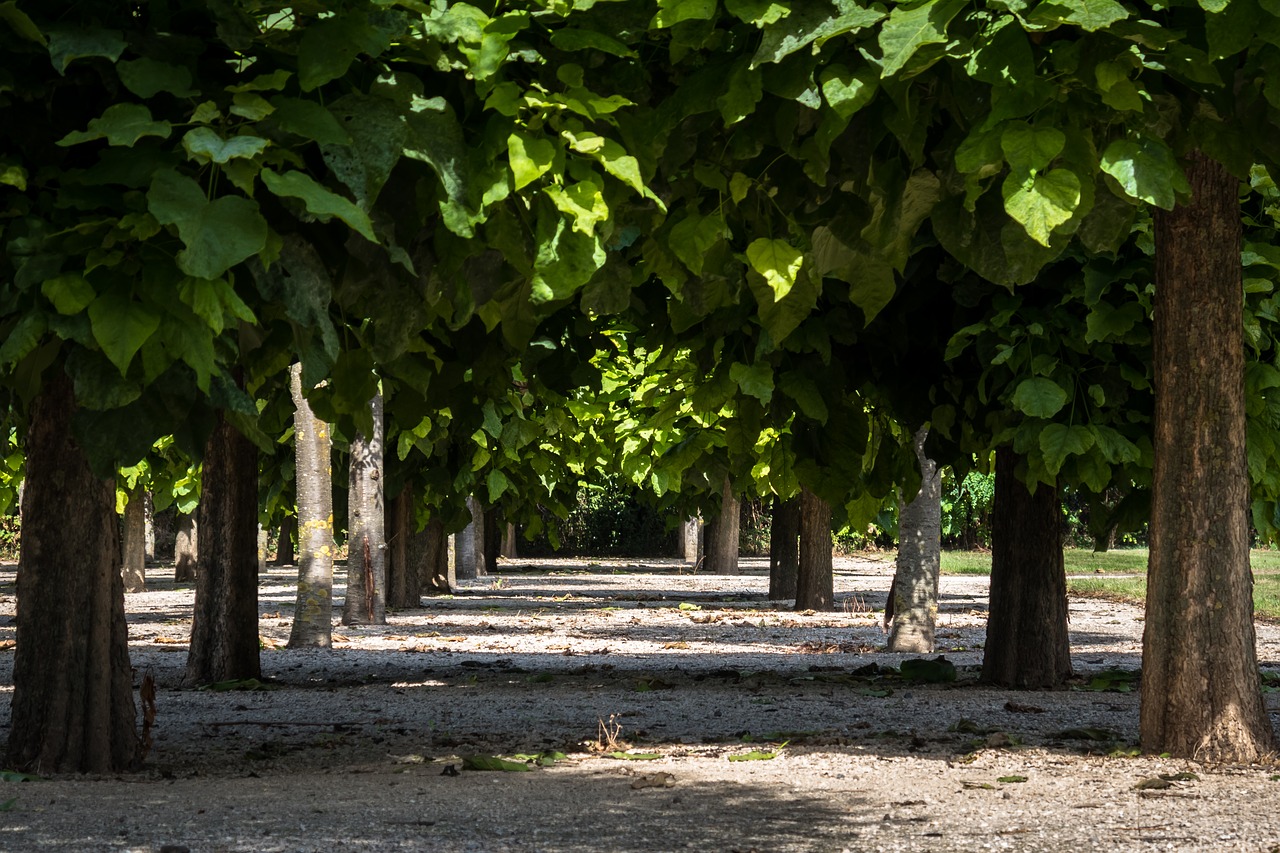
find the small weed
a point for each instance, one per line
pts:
(609, 737)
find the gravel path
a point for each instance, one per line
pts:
(365, 747)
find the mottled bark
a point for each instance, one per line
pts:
(148, 527)
(722, 546)
(469, 545)
(784, 549)
(815, 580)
(313, 616)
(366, 602)
(1027, 643)
(72, 708)
(429, 550)
(185, 549)
(224, 630)
(1201, 695)
(134, 541)
(691, 540)
(404, 581)
(915, 581)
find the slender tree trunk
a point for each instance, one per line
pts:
(313, 616)
(185, 550)
(784, 549)
(722, 551)
(135, 541)
(149, 527)
(469, 545)
(1027, 643)
(915, 581)
(509, 547)
(285, 553)
(73, 708)
(815, 580)
(691, 540)
(493, 530)
(366, 602)
(224, 630)
(1201, 695)
(404, 581)
(164, 527)
(429, 551)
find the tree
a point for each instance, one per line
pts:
(784, 553)
(366, 536)
(722, 534)
(915, 580)
(134, 540)
(186, 550)
(1200, 694)
(313, 616)
(816, 581)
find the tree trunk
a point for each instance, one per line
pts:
(285, 553)
(148, 527)
(469, 545)
(366, 602)
(1201, 695)
(784, 550)
(429, 551)
(404, 581)
(509, 549)
(164, 527)
(915, 580)
(224, 629)
(691, 540)
(722, 550)
(493, 530)
(815, 580)
(72, 708)
(185, 551)
(1027, 643)
(313, 616)
(135, 541)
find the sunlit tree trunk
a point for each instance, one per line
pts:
(1201, 695)
(429, 550)
(366, 602)
(915, 581)
(469, 545)
(135, 541)
(722, 544)
(313, 616)
(185, 550)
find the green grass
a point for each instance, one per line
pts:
(1079, 561)
(1266, 591)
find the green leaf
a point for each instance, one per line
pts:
(492, 762)
(745, 91)
(1106, 321)
(1116, 449)
(584, 201)
(758, 12)
(497, 484)
(530, 158)
(121, 326)
(571, 40)
(754, 379)
(309, 119)
(757, 755)
(204, 145)
(778, 261)
(635, 756)
(318, 200)
(15, 776)
(23, 338)
(121, 124)
(1058, 441)
(911, 27)
(70, 293)
(218, 235)
(328, 47)
(1011, 779)
(805, 392)
(22, 25)
(1031, 149)
(1146, 170)
(1043, 202)
(66, 46)
(692, 237)
(847, 91)
(672, 12)
(739, 186)
(812, 23)
(566, 259)
(1039, 397)
(1089, 15)
(148, 77)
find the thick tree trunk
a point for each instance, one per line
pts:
(286, 555)
(429, 551)
(134, 536)
(469, 545)
(185, 549)
(915, 581)
(224, 630)
(784, 549)
(493, 530)
(72, 708)
(815, 579)
(404, 581)
(1027, 643)
(1201, 695)
(366, 602)
(313, 616)
(722, 550)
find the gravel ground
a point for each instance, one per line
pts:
(367, 746)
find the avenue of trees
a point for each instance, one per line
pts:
(802, 252)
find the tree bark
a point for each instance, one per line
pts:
(286, 555)
(915, 580)
(1027, 644)
(135, 541)
(313, 616)
(1201, 695)
(493, 532)
(185, 550)
(404, 581)
(784, 549)
(722, 550)
(469, 545)
(691, 540)
(366, 602)
(73, 708)
(429, 550)
(224, 629)
(815, 580)
(148, 528)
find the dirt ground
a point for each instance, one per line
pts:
(663, 711)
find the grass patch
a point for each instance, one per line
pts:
(966, 562)
(1266, 591)
(1082, 561)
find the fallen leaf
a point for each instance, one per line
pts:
(677, 644)
(1011, 779)
(654, 780)
(493, 762)
(977, 786)
(5, 645)
(172, 641)
(1155, 783)
(635, 756)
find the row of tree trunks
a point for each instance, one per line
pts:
(404, 581)
(313, 615)
(366, 539)
(224, 629)
(73, 707)
(914, 593)
(784, 549)
(494, 530)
